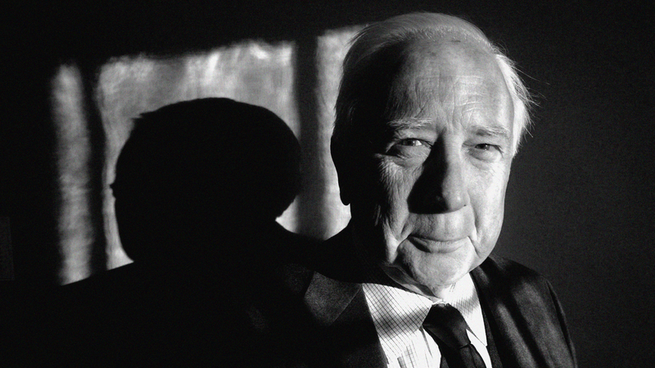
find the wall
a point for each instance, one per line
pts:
(580, 202)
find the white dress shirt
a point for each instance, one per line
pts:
(398, 316)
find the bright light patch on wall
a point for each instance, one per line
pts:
(76, 234)
(332, 48)
(251, 72)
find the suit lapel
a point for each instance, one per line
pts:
(327, 298)
(346, 331)
(524, 324)
(345, 325)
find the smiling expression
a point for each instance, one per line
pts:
(430, 191)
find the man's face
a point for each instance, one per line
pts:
(438, 167)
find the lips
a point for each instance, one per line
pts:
(431, 245)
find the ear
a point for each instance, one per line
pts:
(344, 176)
(344, 185)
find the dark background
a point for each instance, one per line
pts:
(580, 203)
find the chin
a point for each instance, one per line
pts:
(438, 272)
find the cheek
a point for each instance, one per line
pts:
(382, 209)
(394, 186)
(488, 201)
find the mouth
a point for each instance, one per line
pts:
(431, 245)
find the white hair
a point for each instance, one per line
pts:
(378, 44)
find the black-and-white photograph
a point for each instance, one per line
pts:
(401, 184)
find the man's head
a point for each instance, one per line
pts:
(202, 172)
(429, 117)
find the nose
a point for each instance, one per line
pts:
(442, 186)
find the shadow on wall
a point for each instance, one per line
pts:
(269, 75)
(198, 187)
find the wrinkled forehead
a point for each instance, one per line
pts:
(446, 72)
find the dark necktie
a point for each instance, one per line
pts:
(447, 327)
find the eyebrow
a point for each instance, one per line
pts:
(491, 131)
(408, 124)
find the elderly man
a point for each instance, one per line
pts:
(429, 118)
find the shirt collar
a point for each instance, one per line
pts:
(398, 313)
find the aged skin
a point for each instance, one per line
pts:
(440, 170)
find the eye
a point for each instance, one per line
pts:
(485, 146)
(410, 148)
(487, 151)
(413, 142)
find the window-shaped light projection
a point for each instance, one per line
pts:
(72, 148)
(252, 72)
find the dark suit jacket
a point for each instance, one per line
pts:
(332, 326)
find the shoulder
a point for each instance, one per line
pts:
(325, 280)
(522, 304)
(520, 291)
(510, 273)
(294, 277)
(504, 282)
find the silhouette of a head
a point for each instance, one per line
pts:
(195, 173)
